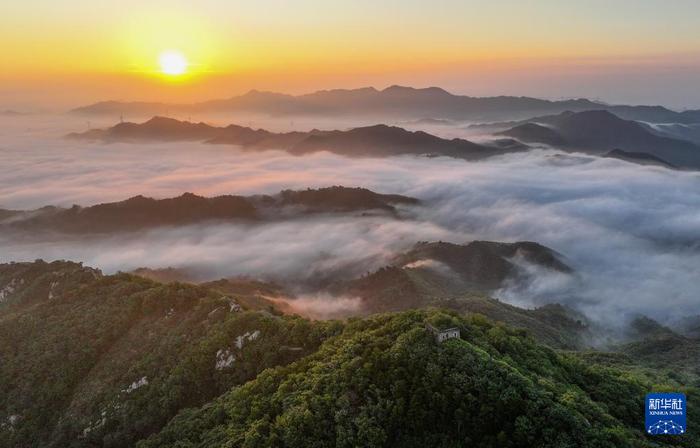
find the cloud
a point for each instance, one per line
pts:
(631, 232)
(295, 251)
(320, 306)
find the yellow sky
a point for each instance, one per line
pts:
(111, 48)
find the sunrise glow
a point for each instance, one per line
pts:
(227, 48)
(172, 63)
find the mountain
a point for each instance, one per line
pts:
(168, 129)
(652, 114)
(166, 275)
(384, 381)
(394, 289)
(6, 214)
(536, 133)
(484, 264)
(393, 102)
(689, 326)
(136, 213)
(461, 277)
(641, 158)
(140, 213)
(382, 140)
(439, 270)
(659, 346)
(119, 360)
(93, 360)
(458, 277)
(370, 141)
(430, 122)
(600, 131)
(453, 276)
(156, 129)
(690, 132)
(336, 199)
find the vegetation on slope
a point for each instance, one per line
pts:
(93, 360)
(105, 361)
(385, 382)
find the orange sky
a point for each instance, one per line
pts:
(65, 53)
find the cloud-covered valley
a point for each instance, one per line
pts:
(631, 232)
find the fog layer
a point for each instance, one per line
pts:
(631, 232)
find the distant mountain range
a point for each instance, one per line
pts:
(373, 141)
(600, 132)
(395, 101)
(597, 132)
(140, 212)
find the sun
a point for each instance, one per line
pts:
(172, 63)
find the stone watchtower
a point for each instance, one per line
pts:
(443, 334)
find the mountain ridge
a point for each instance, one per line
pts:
(600, 131)
(139, 212)
(396, 101)
(369, 141)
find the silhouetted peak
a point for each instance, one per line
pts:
(582, 102)
(138, 197)
(345, 91)
(258, 93)
(376, 127)
(397, 89)
(596, 115)
(134, 200)
(158, 119)
(188, 195)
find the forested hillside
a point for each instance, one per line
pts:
(93, 360)
(386, 382)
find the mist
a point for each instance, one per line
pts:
(630, 232)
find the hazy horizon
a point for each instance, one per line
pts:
(627, 52)
(27, 100)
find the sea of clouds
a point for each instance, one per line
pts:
(631, 232)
